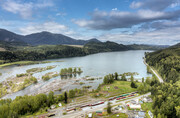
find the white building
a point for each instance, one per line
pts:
(90, 115)
(134, 106)
(150, 114)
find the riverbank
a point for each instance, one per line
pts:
(92, 65)
(22, 63)
(20, 82)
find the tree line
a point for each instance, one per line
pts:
(166, 96)
(26, 105)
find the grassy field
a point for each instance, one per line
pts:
(2, 49)
(106, 115)
(117, 88)
(21, 63)
(79, 46)
(147, 106)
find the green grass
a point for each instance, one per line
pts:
(34, 115)
(117, 88)
(106, 115)
(147, 106)
(21, 63)
(2, 61)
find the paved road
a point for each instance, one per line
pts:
(84, 111)
(160, 79)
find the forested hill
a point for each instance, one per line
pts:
(95, 47)
(42, 52)
(166, 96)
(147, 47)
(167, 62)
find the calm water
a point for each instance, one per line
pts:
(96, 65)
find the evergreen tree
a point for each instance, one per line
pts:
(109, 108)
(116, 75)
(65, 97)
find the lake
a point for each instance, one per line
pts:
(95, 65)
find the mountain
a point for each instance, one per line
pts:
(41, 38)
(47, 38)
(11, 38)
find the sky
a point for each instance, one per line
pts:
(122, 21)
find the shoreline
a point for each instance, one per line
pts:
(23, 63)
(28, 62)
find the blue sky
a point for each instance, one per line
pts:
(122, 21)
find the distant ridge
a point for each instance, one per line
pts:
(9, 40)
(41, 38)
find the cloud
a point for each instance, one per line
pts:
(169, 36)
(156, 5)
(160, 25)
(25, 10)
(101, 20)
(61, 14)
(135, 5)
(47, 26)
(114, 9)
(175, 4)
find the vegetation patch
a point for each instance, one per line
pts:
(81, 83)
(147, 106)
(130, 74)
(49, 75)
(21, 75)
(22, 63)
(123, 87)
(16, 84)
(2, 61)
(36, 70)
(87, 87)
(19, 63)
(70, 71)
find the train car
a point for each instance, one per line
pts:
(84, 106)
(70, 109)
(101, 102)
(51, 115)
(124, 95)
(98, 111)
(119, 98)
(98, 103)
(112, 98)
